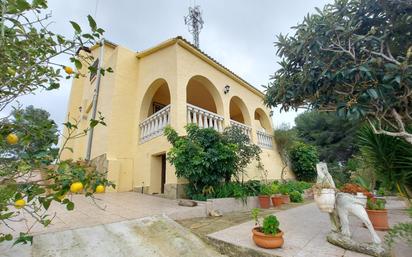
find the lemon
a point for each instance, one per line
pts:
(100, 189)
(76, 187)
(12, 139)
(68, 70)
(19, 203)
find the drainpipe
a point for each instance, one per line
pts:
(95, 98)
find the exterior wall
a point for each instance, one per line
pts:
(125, 100)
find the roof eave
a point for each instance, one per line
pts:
(197, 52)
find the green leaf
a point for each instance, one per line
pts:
(76, 27)
(78, 64)
(372, 93)
(46, 203)
(22, 5)
(23, 239)
(6, 215)
(70, 206)
(92, 22)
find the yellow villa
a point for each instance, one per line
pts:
(173, 83)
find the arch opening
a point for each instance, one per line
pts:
(238, 111)
(202, 93)
(155, 99)
(262, 121)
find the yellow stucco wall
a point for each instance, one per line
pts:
(126, 97)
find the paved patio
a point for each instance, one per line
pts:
(108, 208)
(305, 230)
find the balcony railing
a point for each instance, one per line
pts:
(153, 125)
(264, 139)
(203, 118)
(244, 128)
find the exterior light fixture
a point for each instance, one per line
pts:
(226, 90)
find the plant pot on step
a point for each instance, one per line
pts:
(379, 219)
(264, 201)
(325, 199)
(267, 241)
(277, 200)
(285, 199)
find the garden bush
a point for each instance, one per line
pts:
(296, 197)
(304, 158)
(202, 157)
(207, 158)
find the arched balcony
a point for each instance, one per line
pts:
(155, 110)
(204, 105)
(263, 129)
(239, 115)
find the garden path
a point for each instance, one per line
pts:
(305, 230)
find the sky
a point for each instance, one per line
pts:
(237, 33)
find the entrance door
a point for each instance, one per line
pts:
(163, 175)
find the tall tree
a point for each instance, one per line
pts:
(354, 58)
(37, 132)
(333, 136)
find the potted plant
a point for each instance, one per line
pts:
(284, 189)
(268, 235)
(324, 196)
(377, 213)
(276, 198)
(264, 196)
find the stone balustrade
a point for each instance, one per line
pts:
(244, 128)
(264, 139)
(153, 125)
(204, 118)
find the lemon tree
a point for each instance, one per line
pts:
(33, 178)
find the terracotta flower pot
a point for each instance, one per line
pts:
(379, 219)
(277, 200)
(286, 199)
(267, 241)
(264, 201)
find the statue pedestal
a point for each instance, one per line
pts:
(347, 243)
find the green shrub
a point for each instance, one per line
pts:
(252, 186)
(285, 189)
(265, 190)
(296, 197)
(274, 188)
(270, 225)
(304, 158)
(203, 157)
(377, 204)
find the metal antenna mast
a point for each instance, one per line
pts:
(194, 22)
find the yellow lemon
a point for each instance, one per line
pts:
(76, 187)
(19, 203)
(68, 70)
(12, 139)
(100, 189)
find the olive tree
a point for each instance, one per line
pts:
(354, 58)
